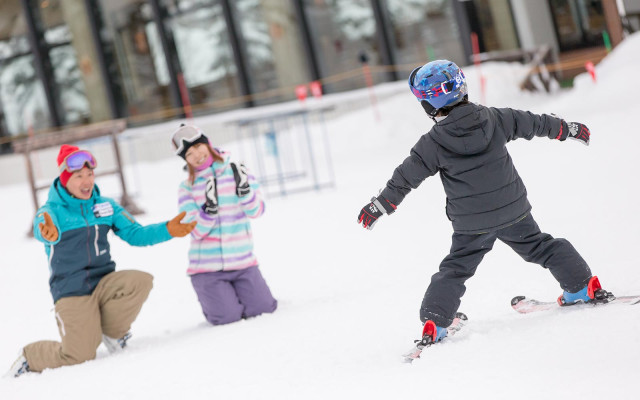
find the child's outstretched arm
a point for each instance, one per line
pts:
(526, 125)
(421, 164)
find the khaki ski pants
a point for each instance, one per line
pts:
(109, 310)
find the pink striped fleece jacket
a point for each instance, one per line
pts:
(223, 241)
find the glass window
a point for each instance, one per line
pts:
(579, 23)
(496, 21)
(271, 39)
(206, 56)
(64, 61)
(23, 104)
(492, 21)
(138, 64)
(344, 35)
(424, 30)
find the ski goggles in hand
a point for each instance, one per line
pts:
(77, 160)
(185, 136)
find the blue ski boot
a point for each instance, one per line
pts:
(592, 293)
(432, 333)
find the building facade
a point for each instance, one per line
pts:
(71, 62)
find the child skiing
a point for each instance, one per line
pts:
(486, 199)
(93, 302)
(221, 197)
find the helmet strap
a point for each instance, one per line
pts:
(428, 108)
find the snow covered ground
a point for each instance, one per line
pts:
(349, 298)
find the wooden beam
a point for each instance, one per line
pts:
(613, 22)
(69, 135)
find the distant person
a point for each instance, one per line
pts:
(93, 301)
(486, 199)
(221, 196)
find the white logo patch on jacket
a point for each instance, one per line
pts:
(103, 209)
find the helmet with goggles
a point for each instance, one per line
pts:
(438, 84)
(186, 136)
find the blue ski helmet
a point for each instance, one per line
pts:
(440, 83)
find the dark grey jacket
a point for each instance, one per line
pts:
(484, 191)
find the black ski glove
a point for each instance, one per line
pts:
(210, 205)
(577, 131)
(242, 179)
(371, 212)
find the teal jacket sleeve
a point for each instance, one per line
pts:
(39, 219)
(129, 230)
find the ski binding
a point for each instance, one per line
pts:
(414, 353)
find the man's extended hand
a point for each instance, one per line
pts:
(177, 228)
(48, 230)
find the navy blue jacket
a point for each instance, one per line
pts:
(468, 148)
(80, 257)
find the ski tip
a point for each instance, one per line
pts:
(517, 300)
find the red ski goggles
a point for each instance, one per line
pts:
(78, 160)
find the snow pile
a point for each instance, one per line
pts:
(349, 298)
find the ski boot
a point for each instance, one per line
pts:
(432, 333)
(592, 293)
(19, 367)
(116, 345)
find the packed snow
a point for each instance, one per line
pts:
(349, 298)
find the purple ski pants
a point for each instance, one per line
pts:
(228, 296)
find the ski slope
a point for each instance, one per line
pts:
(349, 298)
